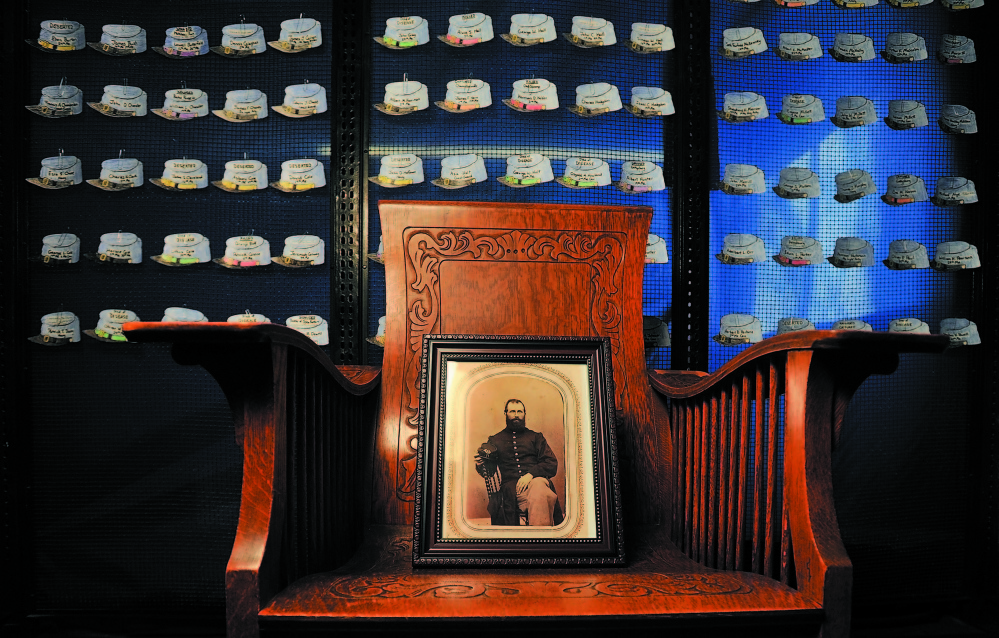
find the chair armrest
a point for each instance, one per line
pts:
(777, 404)
(306, 428)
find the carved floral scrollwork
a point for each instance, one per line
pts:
(427, 249)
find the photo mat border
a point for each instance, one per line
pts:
(430, 549)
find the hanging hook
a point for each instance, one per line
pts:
(120, 152)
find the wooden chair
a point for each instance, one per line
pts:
(729, 517)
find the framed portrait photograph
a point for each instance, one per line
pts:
(517, 461)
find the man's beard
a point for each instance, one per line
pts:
(515, 424)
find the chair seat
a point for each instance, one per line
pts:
(379, 582)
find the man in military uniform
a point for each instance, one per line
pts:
(518, 466)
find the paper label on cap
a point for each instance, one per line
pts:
(57, 253)
(119, 315)
(61, 26)
(189, 45)
(118, 252)
(300, 165)
(747, 44)
(61, 174)
(405, 21)
(185, 166)
(125, 104)
(303, 39)
(185, 238)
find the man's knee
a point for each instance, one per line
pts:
(538, 490)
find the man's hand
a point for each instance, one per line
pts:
(524, 481)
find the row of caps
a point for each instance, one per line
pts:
(900, 48)
(851, 185)
(297, 175)
(238, 40)
(850, 252)
(738, 329)
(526, 29)
(950, 5)
(458, 171)
(529, 95)
(122, 100)
(63, 327)
(851, 111)
(186, 249)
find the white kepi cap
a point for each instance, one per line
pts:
(244, 105)
(799, 250)
(655, 250)
(905, 254)
(957, 119)
(906, 114)
(535, 94)
(110, 324)
(640, 177)
(184, 42)
(528, 29)
(650, 38)
(301, 251)
(743, 179)
(527, 170)
(596, 99)
(797, 46)
(176, 314)
(184, 249)
(312, 326)
(852, 252)
(241, 40)
(58, 101)
(742, 42)
(852, 324)
(121, 101)
(243, 175)
(905, 188)
(852, 47)
(379, 338)
(794, 324)
(466, 95)
(184, 104)
(60, 249)
(297, 35)
(585, 172)
(246, 251)
(60, 36)
(182, 175)
(901, 48)
(649, 102)
(58, 172)
(853, 184)
(468, 29)
(590, 32)
(300, 175)
(957, 49)
(404, 32)
(854, 110)
(459, 171)
(118, 248)
(737, 329)
(909, 324)
(798, 108)
(742, 248)
(303, 100)
(120, 39)
(962, 332)
(954, 191)
(744, 106)
(797, 183)
(247, 317)
(655, 332)
(955, 255)
(58, 329)
(119, 174)
(402, 98)
(399, 170)
(961, 5)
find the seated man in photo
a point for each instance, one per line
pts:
(518, 466)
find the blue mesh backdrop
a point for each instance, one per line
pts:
(498, 132)
(905, 433)
(136, 475)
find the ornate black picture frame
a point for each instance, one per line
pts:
(517, 457)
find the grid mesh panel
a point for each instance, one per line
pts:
(896, 437)
(498, 132)
(139, 506)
